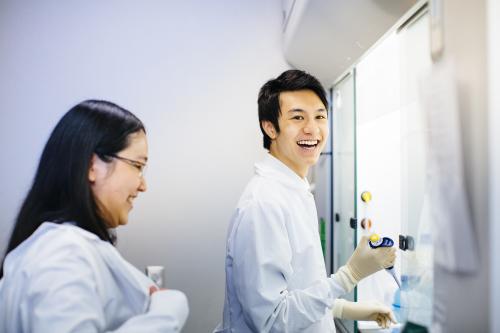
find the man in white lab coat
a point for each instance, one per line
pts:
(276, 279)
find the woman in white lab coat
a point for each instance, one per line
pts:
(61, 272)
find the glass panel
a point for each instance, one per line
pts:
(417, 262)
(389, 161)
(343, 107)
(378, 156)
(391, 164)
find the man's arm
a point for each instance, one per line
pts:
(262, 270)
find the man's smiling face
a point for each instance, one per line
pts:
(303, 124)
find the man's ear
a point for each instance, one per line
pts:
(93, 168)
(269, 129)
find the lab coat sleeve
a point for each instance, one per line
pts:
(168, 312)
(262, 267)
(62, 297)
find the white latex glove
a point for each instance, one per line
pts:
(363, 262)
(364, 310)
(366, 260)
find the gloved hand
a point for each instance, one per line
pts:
(363, 262)
(364, 310)
(366, 260)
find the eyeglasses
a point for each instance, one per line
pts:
(140, 166)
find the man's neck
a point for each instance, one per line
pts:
(301, 172)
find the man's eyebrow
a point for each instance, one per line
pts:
(301, 110)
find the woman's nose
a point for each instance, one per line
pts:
(143, 186)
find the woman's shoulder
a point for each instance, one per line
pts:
(52, 243)
(57, 235)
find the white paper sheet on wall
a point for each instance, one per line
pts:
(455, 247)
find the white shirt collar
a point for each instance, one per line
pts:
(272, 167)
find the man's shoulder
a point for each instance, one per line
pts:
(261, 189)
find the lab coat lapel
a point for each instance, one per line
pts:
(138, 284)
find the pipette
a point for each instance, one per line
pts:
(375, 242)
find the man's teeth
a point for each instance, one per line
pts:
(308, 142)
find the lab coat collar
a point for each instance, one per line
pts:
(272, 167)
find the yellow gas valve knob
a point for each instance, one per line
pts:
(366, 196)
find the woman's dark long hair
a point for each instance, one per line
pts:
(61, 191)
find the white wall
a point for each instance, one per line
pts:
(191, 71)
